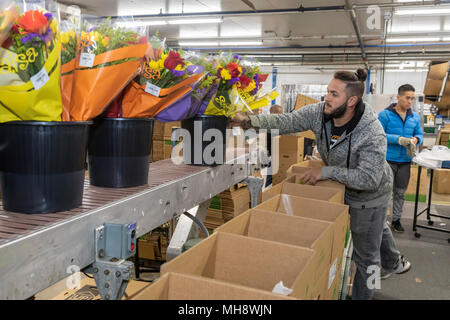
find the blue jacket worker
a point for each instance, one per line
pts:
(403, 133)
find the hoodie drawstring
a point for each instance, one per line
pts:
(349, 151)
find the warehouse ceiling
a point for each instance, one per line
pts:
(325, 33)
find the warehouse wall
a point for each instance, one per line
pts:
(392, 80)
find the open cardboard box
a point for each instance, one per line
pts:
(177, 286)
(303, 232)
(250, 262)
(335, 213)
(305, 191)
(311, 164)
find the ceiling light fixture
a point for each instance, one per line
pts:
(140, 23)
(198, 44)
(415, 39)
(195, 21)
(240, 43)
(423, 11)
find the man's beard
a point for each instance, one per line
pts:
(336, 114)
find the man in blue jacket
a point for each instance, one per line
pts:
(403, 133)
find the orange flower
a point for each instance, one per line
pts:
(33, 21)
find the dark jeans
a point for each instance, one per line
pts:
(373, 245)
(401, 180)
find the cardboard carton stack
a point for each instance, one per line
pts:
(410, 193)
(162, 139)
(153, 246)
(443, 137)
(441, 181)
(434, 82)
(234, 201)
(292, 150)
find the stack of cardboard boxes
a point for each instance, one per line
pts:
(292, 150)
(234, 201)
(162, 139)
(153, 246)
(294, 238)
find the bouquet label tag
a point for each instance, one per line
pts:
(332, 274)
(152, 89)
(40, 79)
(236, 131)
(87, 60)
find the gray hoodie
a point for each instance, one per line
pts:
(357, 159)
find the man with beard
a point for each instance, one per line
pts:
(352, 144)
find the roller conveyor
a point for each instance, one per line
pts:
(39, 250)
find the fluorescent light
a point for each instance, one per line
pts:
(240, 43)
(407, 70)
(198, 44)
(416, 39)
(446, 39)
(423, 11)
(195, 21)
(132, 24)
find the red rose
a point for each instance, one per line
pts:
(173, 60)
(233, 68)
(33, 21)
(262, 77)
(245, 81)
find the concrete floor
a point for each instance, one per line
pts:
(429, 277)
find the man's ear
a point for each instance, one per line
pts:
(352, 101)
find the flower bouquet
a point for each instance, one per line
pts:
(8, 15)
(70, 31)
(108, 58)
(166, 79)
(239, 87)
(30, 68)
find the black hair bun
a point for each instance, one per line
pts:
(361, 74)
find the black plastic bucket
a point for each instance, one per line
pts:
(119, 152)
(42, 165)
(201, 149)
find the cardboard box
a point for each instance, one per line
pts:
(302, 232)
(438, 71)
(250, 262)
(146, 249)
(441, 181)
(433, 87)
(443, 137)
(303, 100)
(162, 149)
(89, 291)
(295, 173)
(305, 191)
(337, 214)
(163, 130)
(410, 192)
(176, 286)
(311, 164)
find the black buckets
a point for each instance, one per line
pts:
(42, 165)
(206, 143)
(119, 152)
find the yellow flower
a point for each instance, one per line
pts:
(105, 41)
(251, 86)
(54, 26)
(180, 68)
(225, 74)
(65, 37)
(154, 65)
